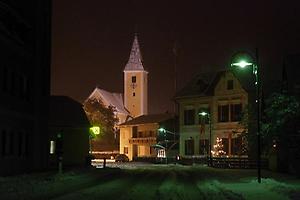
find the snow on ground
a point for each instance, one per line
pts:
(151, 181)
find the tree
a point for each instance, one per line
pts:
(104, 117)
(218, 148)
(279, 128)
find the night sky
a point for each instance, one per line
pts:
(92, 40)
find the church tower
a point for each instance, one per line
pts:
(135, 83)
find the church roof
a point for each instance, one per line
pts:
(108, 98)
(135, 59)
(149, 119)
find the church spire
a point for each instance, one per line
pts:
(135, 58)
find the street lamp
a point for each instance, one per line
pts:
(209, 122)
(165, 131)
(243, 60)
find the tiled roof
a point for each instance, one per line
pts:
(149, 119)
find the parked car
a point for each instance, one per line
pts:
(121, 158)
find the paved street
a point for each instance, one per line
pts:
(144, 181)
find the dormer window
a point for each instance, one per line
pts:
(229, 84)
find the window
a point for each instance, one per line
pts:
(229, 84)
(133, 94)
(52, 147)
(225, 145)
(189, 147)
(140, 134)
(235, 112)
(236, 146)
(189, 117)
(223, 113)
(133, 79)
(203, 146)
(125, 150)
(134, 131)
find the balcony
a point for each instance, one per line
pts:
(142, 140)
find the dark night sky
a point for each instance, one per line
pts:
(92, 41)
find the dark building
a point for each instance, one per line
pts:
(69, 124)
(24, 85)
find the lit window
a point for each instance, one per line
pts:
(52, 147)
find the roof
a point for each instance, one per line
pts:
(200, 85)
(149, 119)
(204, 84)
(109, 99)
(135, 59)
(66, 112)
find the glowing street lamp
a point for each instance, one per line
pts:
(95, 130)
(163, 130)
(203, 113)
(243, 60)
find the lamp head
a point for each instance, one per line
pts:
(242, 60)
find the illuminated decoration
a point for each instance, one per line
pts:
(52, 147)
(95, 130)
(218, 148)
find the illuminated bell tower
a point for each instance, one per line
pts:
(135, 83)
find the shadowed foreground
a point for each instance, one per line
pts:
(156, 182)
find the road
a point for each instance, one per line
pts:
(132, 181)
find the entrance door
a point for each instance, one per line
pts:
(134, 151)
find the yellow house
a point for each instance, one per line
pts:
(224, 98)
(139, 135)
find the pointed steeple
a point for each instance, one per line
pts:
(135, 59)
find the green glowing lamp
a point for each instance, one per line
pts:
(95, 130)
(162, 130)
(242, 60)
(203, 113)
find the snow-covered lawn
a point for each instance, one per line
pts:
(147, 181)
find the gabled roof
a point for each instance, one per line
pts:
(66, 112)
(204, 84)
(135, 59)
(200, 85)
(109, 99)
(149, 119)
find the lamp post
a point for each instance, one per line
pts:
(209, 122)
(165, 131)
(244, 60)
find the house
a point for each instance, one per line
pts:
(24, 85)
(224, 97)
(139, 136)
(68, 123)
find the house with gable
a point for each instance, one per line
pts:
(224, 97)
